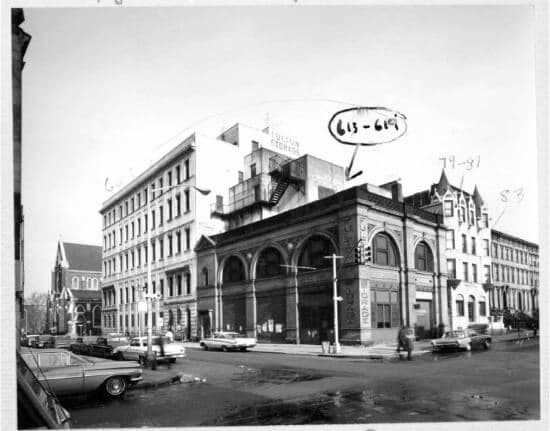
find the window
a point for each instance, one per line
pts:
(233, 270)
(170, 245)
(154, 284)
(170, 286)
(153, 251)
(178, 204)
(133, 260)
(471, 304)
(146, 257)
(450, 239)
(314, 251)
(495, 250)
(178, 242)
(161, 182)
(152, 192)
(126, 208)
(459, 305)
(241, 176)
(139, 200)
(178, 284)
(474, 272)
(187, 238)
(472, 218)
(187, 202)
(120, 236)
(269, 263)
(161, 287)
(133, 231)
(205, 277)
(127, 262)
(188, 283)
(465, 271)
(187, 172)
(485, 219)
(169, 178)
(169, 206)
(161, 215)
(145, 223)
(132, 206)
(448, 208)
(253, 170)
(74, 282)
(178, 174)
(126, 233)
(473, 245)
(464, 244)
(487, 274)
(423, 258)
(153, 220)
(383, 315)
(384, 252)
(486, 247)
(139, 257)
(138, 227)
(161, 249)
(463, 214)
(451, 268)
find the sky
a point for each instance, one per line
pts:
(107, 91)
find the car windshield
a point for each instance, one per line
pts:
(454, 334)
(157, 341)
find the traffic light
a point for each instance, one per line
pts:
(368, 256)
(358, 255)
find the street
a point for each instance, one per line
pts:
(256, 388)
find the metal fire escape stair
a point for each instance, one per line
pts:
(279, 191)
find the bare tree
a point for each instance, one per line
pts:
(35, 313)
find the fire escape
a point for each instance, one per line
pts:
(285, 172)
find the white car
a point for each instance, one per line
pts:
(137, 350)
(228, 341)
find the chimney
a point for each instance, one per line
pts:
(396, 190)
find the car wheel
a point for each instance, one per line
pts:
(487, 344)
(224, 348)
(204, 346)
(115, 386)
(172, 360)
(118, 356)
(243, 349)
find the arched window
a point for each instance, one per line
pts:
(233, 270)
(269, 263)
(96, 283)
(482, 306)
(79, 309)
(423, 258)
(178, 316)
(459, 305)
(314, 252)
(384, 250)
(75, 283)
(88, 283)
(96, 315)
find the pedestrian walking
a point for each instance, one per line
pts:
(169, 335)
(405, 341)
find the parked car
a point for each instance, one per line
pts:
(105, 346)
(38, 341)
(137, 350)
(228, 341)
(66, 373)
(466, 339)
(80, 347)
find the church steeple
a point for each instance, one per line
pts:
(478, 200)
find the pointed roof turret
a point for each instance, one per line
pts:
(478, 200)
(443, 184)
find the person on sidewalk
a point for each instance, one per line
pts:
(405, 341)
(169, 335)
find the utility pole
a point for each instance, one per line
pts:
(335, 299)
(295, 269)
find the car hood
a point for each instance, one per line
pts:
(447, 340)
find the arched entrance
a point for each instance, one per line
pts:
(315, 300)
(81, 327)
(233, 295)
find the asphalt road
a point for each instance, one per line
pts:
(274, 389)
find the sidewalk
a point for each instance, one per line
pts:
(375, 351)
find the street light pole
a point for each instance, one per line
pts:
(335, 299)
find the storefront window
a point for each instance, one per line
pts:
(385, 252)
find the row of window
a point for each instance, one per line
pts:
(448, 210)
(513, 298)
(514, 255)
(133, 229)
(88, 283)
(140, 198)
(514, 275)
(482, 307)
(170, 244)
(472, 249)
(466, 274)
(178, 284)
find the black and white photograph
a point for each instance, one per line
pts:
(274, 213)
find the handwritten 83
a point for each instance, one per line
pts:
(514, 196)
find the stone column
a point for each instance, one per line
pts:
(292, 316)
(250, 306)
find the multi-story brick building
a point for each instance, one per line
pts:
(74, 302)
(171, 201)
(270, 278)
(515, 281)
(467, 248)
